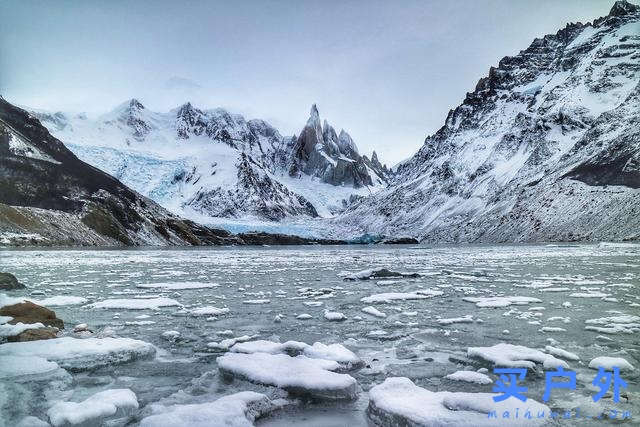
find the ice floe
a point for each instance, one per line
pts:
(608, 363)
(464, 319)
(625, 323)
(501, 301)
(470, 377)
(178, 285)
(335, 352)
(93, 410)
(298, 375)
(378, 273)
(398, 401)
(28, 368)
(334, 316)
(400, 296)
(235, 410)
(515, 356)
(226, 344)
(81, 354)
(135, 304)
(558, 352)
(373, 311)
(209, 310)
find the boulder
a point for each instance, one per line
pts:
(35, 335)
(8, 282)
(28, 312)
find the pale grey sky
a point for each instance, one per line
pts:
(386, 71)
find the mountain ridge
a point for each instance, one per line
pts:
(222, 165)
(533, 152)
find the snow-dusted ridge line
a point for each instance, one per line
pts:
(206, 164)
(545, 148)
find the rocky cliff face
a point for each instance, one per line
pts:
(319, 151)
(49, 196)
(547, 147)
(211, 163)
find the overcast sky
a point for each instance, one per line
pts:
(386, 71)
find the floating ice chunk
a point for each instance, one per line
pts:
(209, 310)
(400, 296)
(178, 285)
(387, 282)
(59, 300)
(555, 351)
(378, 273)
(7, 330)
(335, 352)
(304, 316)
(515, 356)
(139, 323)
(226, 344)
(470, 377)
(398, 401)
(257, 301)
(26, 368)
(80, 354)
(313, 303)
(608, 363)
(559, 318)
(298, 375)
(500, 301)
(32, 422)
(464, 319)
(624, 318)
(235, 410)
(136, 304)
(592, 294)
(374, 312)
(624, 323)
(81, 327)
(334, 316)
(551, 329)
(94, 410)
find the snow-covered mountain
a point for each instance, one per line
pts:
(50, 197)
(206, 164)
(547, 147)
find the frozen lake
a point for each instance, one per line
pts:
(579, 298)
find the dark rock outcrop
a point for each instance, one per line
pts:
(35, 335)
(8, 282)
(261, 238)
(28, 312)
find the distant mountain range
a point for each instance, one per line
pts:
(50, 197)
(206, 164)
(545, 148)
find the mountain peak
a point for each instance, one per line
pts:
(135, 104)
(623, 7)
(314, 119)
(314, 111)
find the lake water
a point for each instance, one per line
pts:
(258, 284)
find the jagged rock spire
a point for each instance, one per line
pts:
(623, 7)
